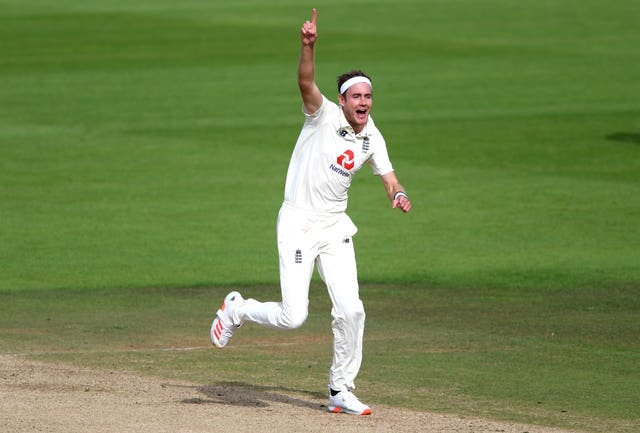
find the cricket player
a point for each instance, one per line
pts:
(313, 229)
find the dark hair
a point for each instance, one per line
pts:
(348, 75)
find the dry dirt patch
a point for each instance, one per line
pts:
(62, 398)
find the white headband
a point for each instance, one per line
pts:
(354, 80)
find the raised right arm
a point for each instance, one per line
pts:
(311, 95)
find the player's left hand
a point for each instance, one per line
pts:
(403, 203)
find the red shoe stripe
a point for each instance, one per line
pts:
(217, 332)
(366, 412)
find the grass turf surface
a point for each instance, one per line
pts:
(144, 144)
(558, 357)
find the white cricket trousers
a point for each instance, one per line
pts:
(304, 240)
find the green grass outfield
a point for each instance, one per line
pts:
(143, 148)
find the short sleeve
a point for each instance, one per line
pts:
(379, 161)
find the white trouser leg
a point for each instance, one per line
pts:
(297, 254)
(337, 266)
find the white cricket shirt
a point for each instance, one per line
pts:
(327, 155)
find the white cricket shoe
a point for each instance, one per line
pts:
(223, 325)
(346, 401)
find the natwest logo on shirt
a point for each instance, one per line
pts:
(346, 160)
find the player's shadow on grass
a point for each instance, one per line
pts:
(245, 395)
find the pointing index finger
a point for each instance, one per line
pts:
(314, 15)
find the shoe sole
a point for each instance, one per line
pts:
(217, 326)
(216, 333)
(336, 409)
